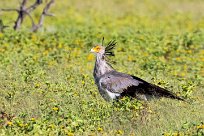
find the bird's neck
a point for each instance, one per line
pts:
(101, 66)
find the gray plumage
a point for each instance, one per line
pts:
(112, 84)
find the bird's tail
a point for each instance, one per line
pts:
(151, 89)
(161, 92)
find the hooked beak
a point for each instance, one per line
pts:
(92, 50)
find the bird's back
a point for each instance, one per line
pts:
(128, 85)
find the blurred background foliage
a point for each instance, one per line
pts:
(46, 83)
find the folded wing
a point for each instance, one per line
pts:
(128, 85)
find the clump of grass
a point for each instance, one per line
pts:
(46, 82)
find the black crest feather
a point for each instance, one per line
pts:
(109, 48)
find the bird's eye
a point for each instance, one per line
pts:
(97, 48)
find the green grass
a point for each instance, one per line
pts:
(46, 82)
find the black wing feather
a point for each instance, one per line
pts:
(150, 89)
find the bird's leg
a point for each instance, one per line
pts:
(141, 97)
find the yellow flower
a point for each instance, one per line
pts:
(9, 123)
(178, 59)
(51, 63)
(182, 74)
(145, 54)
(32, 119)
(200, 127)
(201, 52)
(34, 37)
(1, 35)
(6, 44)
(35, 58)
(176, 134)
(55, 108)
(175, 73)
(202, 59)
(78, 42)
(60, 45)
(83, 82)
(120, 132)
(45, 52)
(21, 125)
(37, 85)
(189, 51)
(70, 134)
(51, 126)
(202, 72)
(90, 57)
(100, 129)
(166, 134)
(185, 67)
(76, 94)
(130, 58)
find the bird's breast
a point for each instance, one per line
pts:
(112, 95)
(106, 94)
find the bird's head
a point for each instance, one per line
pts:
(104, 50)
(98, 49)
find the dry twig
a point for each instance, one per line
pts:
(23, 11)
(44, 13)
